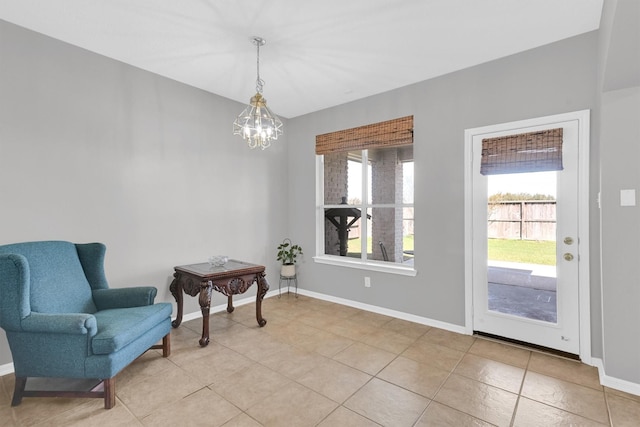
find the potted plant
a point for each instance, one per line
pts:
(287, 254)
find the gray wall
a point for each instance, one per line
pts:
(619, 83)
(620, 136)
(95, 150)
(548, 80)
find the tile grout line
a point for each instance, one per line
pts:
(519, 395)
(341, 404)
(374, 376)
(533, 351)
(606, 404)
(443, 383)
(531, 367)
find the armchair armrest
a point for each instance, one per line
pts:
(124, 297)
(15, 288)
(53, 344)
(65, 323)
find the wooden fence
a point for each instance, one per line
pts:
(523, 220)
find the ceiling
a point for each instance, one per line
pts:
(318, 53)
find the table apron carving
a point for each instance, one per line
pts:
(197, 280)
(235, 286)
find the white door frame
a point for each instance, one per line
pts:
(583, 216)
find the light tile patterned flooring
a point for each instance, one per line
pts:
(317, 363)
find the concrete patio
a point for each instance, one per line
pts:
(525, 290)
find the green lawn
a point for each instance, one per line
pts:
(353, 245)
(526, 251)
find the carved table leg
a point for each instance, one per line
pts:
(176, 291)
(205, 303)
(263, 287)
(230, 306)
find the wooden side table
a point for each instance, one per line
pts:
(235, 277)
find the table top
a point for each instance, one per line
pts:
(231, 268)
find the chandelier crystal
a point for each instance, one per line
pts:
(257, 124)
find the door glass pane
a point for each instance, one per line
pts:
(521, 231)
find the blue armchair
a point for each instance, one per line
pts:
(63, 321)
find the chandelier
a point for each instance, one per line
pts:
(257, 124)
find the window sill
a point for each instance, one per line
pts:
(384, 267)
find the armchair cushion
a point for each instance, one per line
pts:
(124, 297)
(118, 327)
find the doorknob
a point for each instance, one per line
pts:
(568, 256)
(568, 241)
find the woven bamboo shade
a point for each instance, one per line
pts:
(525, 152)
(392, 133)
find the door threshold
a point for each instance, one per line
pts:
(528, 346)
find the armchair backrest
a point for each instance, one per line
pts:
(54, 280)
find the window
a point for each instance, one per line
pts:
(365, 214)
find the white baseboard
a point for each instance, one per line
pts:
(387, 312)
(223, 307)
(605, 380)
(355, 304)
(6, 369)
(612, 382)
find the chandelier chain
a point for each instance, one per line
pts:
(259, 81)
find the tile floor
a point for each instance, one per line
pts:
(317, 363)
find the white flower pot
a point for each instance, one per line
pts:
(288, 270)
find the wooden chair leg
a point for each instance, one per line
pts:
(166, 345)
(18, 390)
(106, 389)
(109, 393)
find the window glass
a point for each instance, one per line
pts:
(369, 215)
(391, 235)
